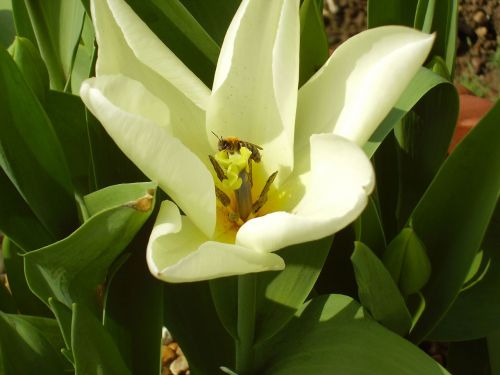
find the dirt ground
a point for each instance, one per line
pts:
(478, 55)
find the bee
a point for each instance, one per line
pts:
(234, 144)
(243, 194)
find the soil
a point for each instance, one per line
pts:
(478, 56)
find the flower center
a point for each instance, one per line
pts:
(233, 165)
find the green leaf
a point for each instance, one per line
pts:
(225, 297)
(26, 301)
(93, 348)
(474, 314)
(406, 260)
(84, 56)
(57, 25)
(67, 113)
(332, 335)
(31, 65)
(423, 82)
(424, 15)
(391, 12)
(337, 273)
(22, 21)
(71, 270)
(422, 143)
(445, 25)
(191, 317)
(369, 230)
(137, 329)
(109, 163)
(182, 33)
(30, 153)
(7, 29)
(213, 15)
(452, 217)
(30, 345)
(280, 294)
(64, 318)
(378, 292)
(18, 221)
(313, 42)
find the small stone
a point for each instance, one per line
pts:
(480, 17)
(179, 366)
(481, 31)
(173, 345)
(476, 64)
(167, 355)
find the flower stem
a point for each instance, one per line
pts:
(246, 323)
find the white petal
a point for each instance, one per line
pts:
(334, 193)
(179, 252)
(127, 46)
(360, 83)
(133, 118)
(255, 86)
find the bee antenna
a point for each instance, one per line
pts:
(217, 136)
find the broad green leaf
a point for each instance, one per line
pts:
(282, 293)
(182, 33)
(137, 329)
(213, 15)
(72, 269)
(332, 335)
(424, 15)
(445, 25)
(84, 56)
(406, 168)
(423, 82)
(18, 221)
(279, 294)
(453, 215)
(191, 317)
(22, 21)
(369, 229)
(110, 165)
(31, 65)
(385, 163)
(224, 292)
(391, 12)
(313, 42)
(406, 260)
(337, 273)
(63, 316)
(93, 348)
(28, 143)
(474, 314)
(26, 301)
(378, 292)
(423, 137)
(67, 113)
(57, 25)
(30, 345)
(7, 28)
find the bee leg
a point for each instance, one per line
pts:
(217, 168)
(263, 194)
